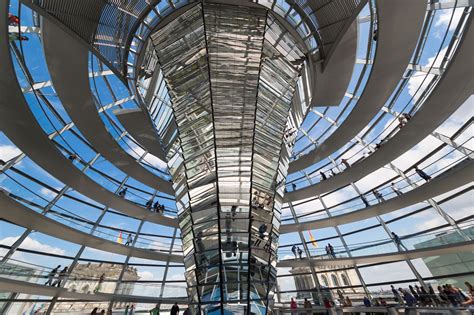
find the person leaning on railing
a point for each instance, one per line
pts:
(470, 293)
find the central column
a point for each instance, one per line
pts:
(231, 73)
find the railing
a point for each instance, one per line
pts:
(84, 283)
(385, 246)
(386, 191)
(392, 310)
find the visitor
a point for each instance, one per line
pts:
(409, 299)
(396, 296)
(129, 240)
(332, 173)
(149, 204)
(414, 293)
(307, 305)
(13, 20)
(422, 174)
(61, 277)
(99, 283)
(424, 296)
(51, 275)
(233, 211)
(293, 306)
(323, 176)
(347, 301)
(398, 241)
(403, 119)
(327, 304)
(470, 295)
(300, 252)
(261, 233)
(378, 195)
(293, 250)
(396, 190)
(156, 207)
(175, 309)
(470, 289)
(346, 164)
(432, 295)
(331, 250)
(367, 204)
(443, 297)
(375, 35)
(15, 36)
(73, 157)
(382, 301)
(367, 302)
(103, 312)
(293, 186)
(94, 311)
(161, 209)
(123, 192)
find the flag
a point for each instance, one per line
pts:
(119, 238)
(311, 238)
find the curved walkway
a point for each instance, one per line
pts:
(330, 84)
(10, 285)
(21, 127)
(388, 257)
(17, 213)
(68, 65)
(396, 43)
(456, 85)
(459, 175)
(140, 127)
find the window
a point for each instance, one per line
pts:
(335, 282)
(345, 281)
(325, 281)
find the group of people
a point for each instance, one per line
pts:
(14, 20)
(174, 310)
(330, 251)
(95, 311)
(156, 206)
(52, 280)
(290, 136)
(297, 251)
(324, 176)
(447, 295)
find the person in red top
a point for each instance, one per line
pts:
(293, 305)
(327, 303)
(13, 19)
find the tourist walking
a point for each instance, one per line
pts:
(175, 309)
(422, 174)
(396, 190)
(129, 240)
(51, 275)
(61, 277)
(293, 250)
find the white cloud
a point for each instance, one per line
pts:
(444, 17)
(456, 120)
(419, 80)
(135, 150)
(7, 152)
(146, 275)
(32, 244)
(48, 193)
